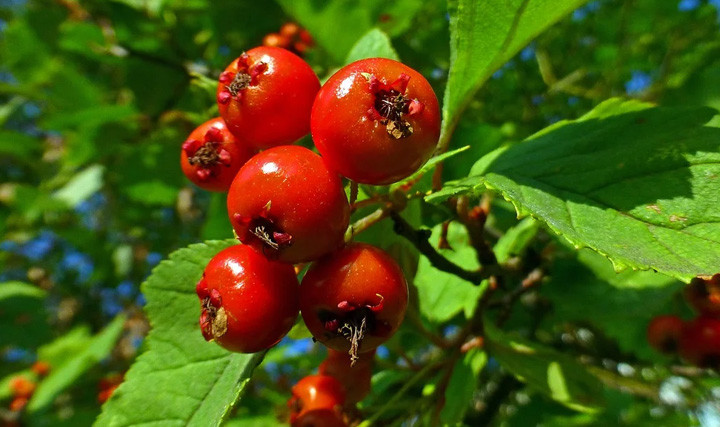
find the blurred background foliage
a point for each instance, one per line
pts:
(97, 96)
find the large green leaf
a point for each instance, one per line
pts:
(483, 36)
(637, 184)
(180, 379)
(554, 374)
(64, 375)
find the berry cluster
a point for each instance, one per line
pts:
(291, 37)
(696, 341)
(22, 387)
(375, 121)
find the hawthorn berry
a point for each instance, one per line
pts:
(317, 400)
(355, 378)
(663, 333)
(248, 302)
(22, 387)
(211, 156)
(703, 294)
(286, 203)
(266, 95)
(376, 121)
(354, 299)
(700, 342)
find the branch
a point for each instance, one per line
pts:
(419, 239)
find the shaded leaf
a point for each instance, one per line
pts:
(554, 374)
(23, 318)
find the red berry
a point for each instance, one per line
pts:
(316, 397)
(40, 368)
(22, 387)
(266, 95)
(106, 393)
(700, 342)
(354, 299)
(290, 29)
(211, 156)
(276, 40)
(376, 121)
(664, 332)
(18, 404)
(248, 302)
(287, 204)
(354, 378)
(703, 294)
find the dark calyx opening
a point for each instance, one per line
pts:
(262, 231)
(354, 324)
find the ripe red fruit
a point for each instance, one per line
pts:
(354, 378)
(248, 302)
(376, 121)
(317, 398)
(287, 204)
(276, 40)
(211, 156)
(40, 368)
(18, 404)
(700, 342)
(354, 299)
(22, 387)
(664, 332)
(703, 294)
(265, 96)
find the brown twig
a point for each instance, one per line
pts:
(419, 239)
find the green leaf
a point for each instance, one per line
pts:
(65, 375)
(23, 318)
(81, 186)
(586, 289)
(19, 144)
(515, 240)
(637, 184)
(554, 374)
(180, 379)
(427, 167)
(442, 295)
(374, 44)
(486, 34)
(462, 386)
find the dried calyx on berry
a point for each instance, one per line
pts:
(211, 155)
(262, 232)
(392, 106)
(235, 82)
(207, 154)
